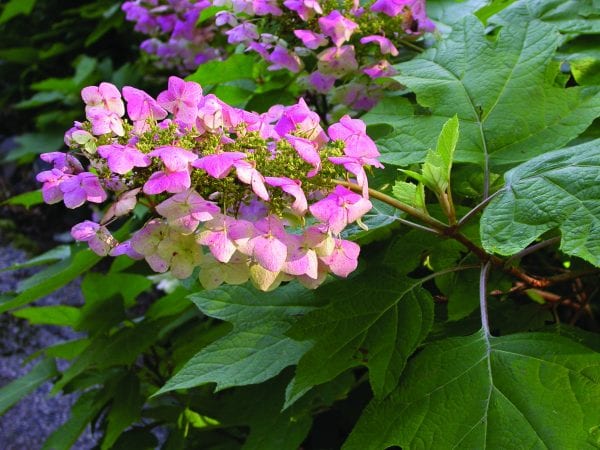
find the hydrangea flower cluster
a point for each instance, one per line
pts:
(345, 46)
(236, 194)
(175, 39)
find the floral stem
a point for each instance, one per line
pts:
(476, 209)
(416, 213)
(485, 324)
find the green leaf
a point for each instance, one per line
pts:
(87, 406)
(411, 194)
(60, 315)
(378, 319)
(98, 286)
(16, 7)
(26, 199)
(122, 348)
(448, 12)
(236, 67)
(29, 145)
(257, 348)
(260, 408)
(375, 223)
(557, 190)
(569, 16)
(54, 254)
(125, 409)
(14, 391)
(51, 278)
(438, 162)
(486, 83)
(530, 390)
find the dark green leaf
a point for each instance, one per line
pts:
(14, 391)
(82, 413)
(236, 67)
(569, 16)
(16, 7)
(30, 145)
(125, 409)
(485, 83)
(529, 390)
(26, 199)
(257, 348)
(561, 190)
(377, 319)
(60, 315)
(52, 278)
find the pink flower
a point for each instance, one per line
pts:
(344, 258)
(181, 99)
(98, 237)
(306, 9)
(124, 205)
(52, 179)
(247, 173)
(269, 248)
(176, 175)
(385, 45)
(264, 7)
(122, 158)
(185, 211)
(244, 32)
(311, 39)
(81, 188)
(220, 164)
(282, 58)
(146, 241)
(62, 161)
(337, 61)
(390, 7)
(291, 187)
(340, 208)
(104, 121)
(320, 82)
(307, 150)
(353, 132)
(141, 106)
(223, 235)
(380, 69)
(302, 258)
(105, 96)
(337, 27)
(210, 113)
(299, 119)
(125, 248)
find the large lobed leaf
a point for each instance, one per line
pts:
(377, 319)
(502, 90)
(560, 189)
(531, 390)
(257, 348)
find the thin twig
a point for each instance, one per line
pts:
(485, 324)
(410, 45)
(416, 225)
(416, 213)
(476, 209)
(533, 248)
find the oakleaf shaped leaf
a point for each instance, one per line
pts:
(376, 320)
(560, 189)
(256, 349)
(530, 390)
(569, 16)
(502, 91)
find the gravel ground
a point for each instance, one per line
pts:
(31, 421)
